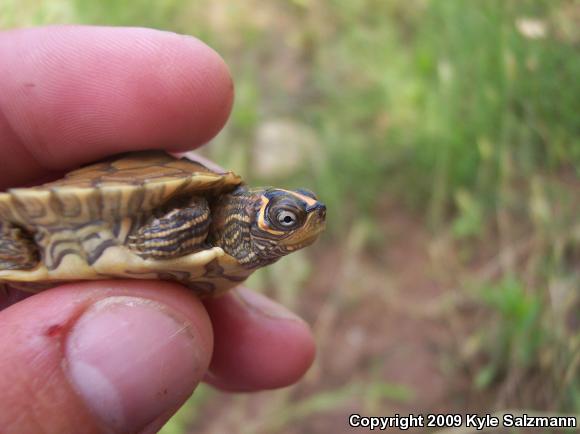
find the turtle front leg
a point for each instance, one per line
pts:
(173, 232)
(17, 248)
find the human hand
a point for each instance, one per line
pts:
(121, 356)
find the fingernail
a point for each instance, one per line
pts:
(264, 306)
(131, 360)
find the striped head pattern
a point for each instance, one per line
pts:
(285, 221)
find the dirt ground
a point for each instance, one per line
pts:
(388, 331)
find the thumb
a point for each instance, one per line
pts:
(101, 356)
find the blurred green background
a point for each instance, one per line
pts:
(444, 138)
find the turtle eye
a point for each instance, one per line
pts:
(286, 218)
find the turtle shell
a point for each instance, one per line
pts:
(81, 222)
(112, 189)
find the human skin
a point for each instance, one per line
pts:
(121, 356)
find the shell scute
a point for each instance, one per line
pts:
(125, 186)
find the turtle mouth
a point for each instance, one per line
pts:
(320, 217)
(320, 227)
(317, 224)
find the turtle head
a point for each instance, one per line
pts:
(284, 222)
(257, 227)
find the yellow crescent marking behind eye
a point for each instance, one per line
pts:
(262, 222)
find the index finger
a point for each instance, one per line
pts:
(73, 94)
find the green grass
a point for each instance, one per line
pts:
(524, 341)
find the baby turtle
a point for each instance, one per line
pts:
(149, 215)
